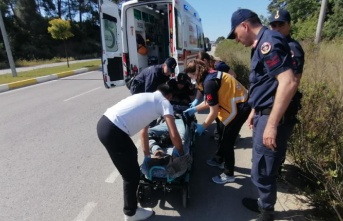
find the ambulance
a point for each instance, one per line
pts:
(164, 28)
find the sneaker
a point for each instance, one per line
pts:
(266, 215)
(223, 178)
(141, 214)
(251, 204)
(214, 163)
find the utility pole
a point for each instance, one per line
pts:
(320, 21)
(7, 46)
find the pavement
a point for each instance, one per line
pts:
(27, 82)
(291, 203)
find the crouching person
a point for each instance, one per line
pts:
(124, 120)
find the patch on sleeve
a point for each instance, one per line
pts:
(266, 47)
(209, 97)
(273, 61)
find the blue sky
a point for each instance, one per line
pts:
(216, 14)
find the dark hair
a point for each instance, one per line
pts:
(205, 56)
(165, 89)
(199, 67)
(254, 21)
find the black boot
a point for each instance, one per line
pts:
(266, 215)
(251, 204)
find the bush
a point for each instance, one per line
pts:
(316, 145)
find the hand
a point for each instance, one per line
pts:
(146, 160)
(189, 112)
(269, 137)
(200, 129)
(176, 153)
(194, 103)
(250, 119)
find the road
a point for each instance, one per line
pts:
(53, 167)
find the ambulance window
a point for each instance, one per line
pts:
(200, 37)
(179, 38)
(110, 27)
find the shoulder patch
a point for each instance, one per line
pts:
(266, 47)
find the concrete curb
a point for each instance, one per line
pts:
(19, 84)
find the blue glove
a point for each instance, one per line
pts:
(146, 160)
(200, 129)
(194, 103)
(190, 112)
(176, 153)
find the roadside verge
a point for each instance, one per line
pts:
(27, 82)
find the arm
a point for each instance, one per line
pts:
(250, 120)
(174, 133)
(284, 93)
(232, 73)
(145, 141)
(211, 116)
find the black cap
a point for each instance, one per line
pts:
(171, 64)
(280, 16)
(237, 18)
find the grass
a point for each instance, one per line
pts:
(7, 78)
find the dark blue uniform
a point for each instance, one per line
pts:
(298, 55)
(149, 79)
(270, 57)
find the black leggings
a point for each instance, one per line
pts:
(123, 153)
(229, 136)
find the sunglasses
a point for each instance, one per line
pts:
(277, 24)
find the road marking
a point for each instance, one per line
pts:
(113, 176)
(82, 94)
(87, 210)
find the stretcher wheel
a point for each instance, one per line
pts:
(140, 194)
(185, 195)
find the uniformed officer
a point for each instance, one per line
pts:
(151, 77)
(281, 21)
(272, 86)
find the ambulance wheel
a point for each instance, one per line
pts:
(185, 195)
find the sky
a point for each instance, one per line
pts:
(216, 14)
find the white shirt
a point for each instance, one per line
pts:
(136, 112)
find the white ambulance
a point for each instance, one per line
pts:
(169, 28)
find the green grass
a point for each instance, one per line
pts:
(7, 78)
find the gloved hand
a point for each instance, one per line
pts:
(146, 160)
(189, 112)
(176, 153)
(194, 103)
(200, 129)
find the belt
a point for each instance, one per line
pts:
(265, 111)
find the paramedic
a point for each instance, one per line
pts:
(226, 98)
(272, 86)
(124, 120)
(151, 77)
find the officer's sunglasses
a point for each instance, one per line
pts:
(277, 24)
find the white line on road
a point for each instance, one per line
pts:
(112, 177)
(82, 94)
(87, 210)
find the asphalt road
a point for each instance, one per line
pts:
(53, 167)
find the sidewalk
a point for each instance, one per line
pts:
(18, 84)
(290, 205)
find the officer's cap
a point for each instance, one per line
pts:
(280, 16)
(171, 64)
(237, 18)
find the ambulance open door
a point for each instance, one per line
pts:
(112, 46)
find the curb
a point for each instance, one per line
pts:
(32, 81)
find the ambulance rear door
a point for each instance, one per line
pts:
(112, 45)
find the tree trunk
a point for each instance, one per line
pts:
(65, 48)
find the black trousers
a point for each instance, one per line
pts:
(123, 153)
(229, 136)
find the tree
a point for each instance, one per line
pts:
(61, 30)
(219, 39)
